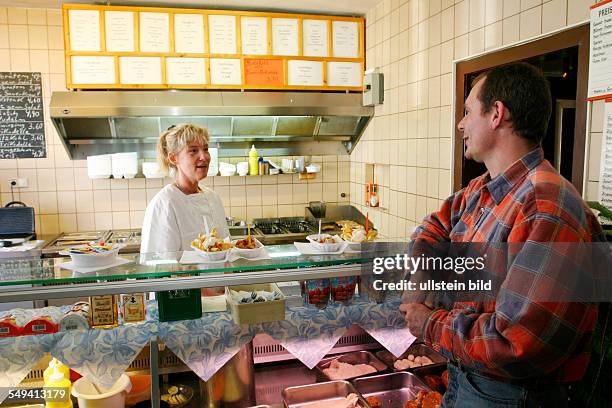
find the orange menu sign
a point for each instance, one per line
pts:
(263, 72)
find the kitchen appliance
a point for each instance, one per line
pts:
(17, 224)
(279, 123)
(130, 238)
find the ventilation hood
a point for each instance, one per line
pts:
(279, 123)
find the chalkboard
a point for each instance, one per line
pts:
(22, 121)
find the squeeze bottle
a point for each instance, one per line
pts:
(57, 381)
(253, 161)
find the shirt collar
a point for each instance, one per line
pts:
(503, 183)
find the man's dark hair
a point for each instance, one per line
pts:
(525, 92)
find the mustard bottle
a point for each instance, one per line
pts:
(55, 364)
(56, 383)
(253, 161)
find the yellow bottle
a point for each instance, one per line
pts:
(57, 390)
(53, 364)
(253, 161)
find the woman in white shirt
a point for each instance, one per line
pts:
(175, 216)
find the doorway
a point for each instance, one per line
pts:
(563, 59)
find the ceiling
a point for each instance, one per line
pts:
(344, 7)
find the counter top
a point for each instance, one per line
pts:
(163, 271)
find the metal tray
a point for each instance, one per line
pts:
(393, 389)
(357, 357)
(419, 349)
(304, 395)
(432, 369)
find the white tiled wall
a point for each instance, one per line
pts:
(65, 199)
(414, 43)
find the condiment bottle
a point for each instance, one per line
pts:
(261, 166)
(57, 381)
(53, 365)
(374, 195)
(253, 161)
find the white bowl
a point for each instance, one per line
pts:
(95, 259)
(335, 247)
(248, 253)
(89, 397)
(313, 168)
(212, 256)
(242, 168)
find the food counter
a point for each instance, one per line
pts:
(204, 345)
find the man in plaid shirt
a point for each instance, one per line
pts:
(518, 350)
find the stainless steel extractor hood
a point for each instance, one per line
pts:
(279, 123)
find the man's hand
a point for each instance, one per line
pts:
(415, 315)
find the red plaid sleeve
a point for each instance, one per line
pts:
(519, 336)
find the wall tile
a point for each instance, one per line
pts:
(67, 223)
(435, 30)
(66, 202)
(121, 220)
(46, 180)
(20, 60)
(3, 15)
(527, 4)
(103, 220)
(5, 60)
(54, 17)
(18, 36)
(510, 28)
(461, 47)
(86, 221)
(49, 224)
(578, 11)
(47, 202)
(102, 200)
(476, 41)
(39, 61)
(30, 199)
(64, 179)
(493, 35)
(432, 183)
(494, 11)
(462, 18)
(120, 200)
(531, 23)
(511, 8)
(137, 199)
(447, 24)
(554, 15)
(315, 192)
(4, 36)
(55, 38)
(477, 14)
(17, 15)
(37, 37)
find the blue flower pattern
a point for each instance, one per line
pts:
(204, 344)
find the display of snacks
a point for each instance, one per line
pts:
(211, 247)
(177, 396)
(349, 366)
(343, 289)
(257, 303)
(325, 242)
(248, 248)
(40, 325)
(316, 292)
(93, 255)
(9, 327)
(390, 390)
(418, 355)
(425, 399)
(247, 243)
(412, 361)
(77, 318)
(357, 234)
(338, 370)
(374, 402)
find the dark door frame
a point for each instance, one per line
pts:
(576, 36)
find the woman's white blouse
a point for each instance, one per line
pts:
(173, 219)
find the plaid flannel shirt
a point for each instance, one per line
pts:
(522, 338)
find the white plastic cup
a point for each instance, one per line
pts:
(243, 168)
(88, 397)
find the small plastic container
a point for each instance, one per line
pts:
(316, 292)
(343, 289)
(181, 304)
(253, 313)
(88, 397)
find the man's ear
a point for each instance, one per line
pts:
(500, 114)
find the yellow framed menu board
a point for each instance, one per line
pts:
(121, 47)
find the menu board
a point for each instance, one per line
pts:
(225, 71)
(185, 71)
(140, 70)
(284, 36)
(343, 73)
(254, 32)
(305, 73)
(128, 47)
(605, 177)
(119, 31)
(93, 70)
(600, 61)
(263, 72)
(314, 38)
(154, 32)
(22, 121)
(345, 39)
(189, 33)
(222, 34)
(84, 30)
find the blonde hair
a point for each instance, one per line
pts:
(175, 139)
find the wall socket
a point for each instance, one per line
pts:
(18, 183)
